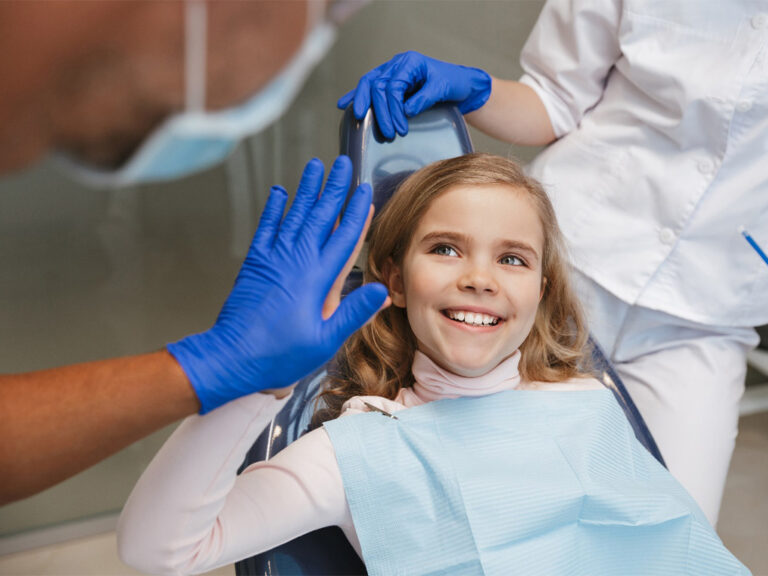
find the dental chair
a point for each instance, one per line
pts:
(434, 135)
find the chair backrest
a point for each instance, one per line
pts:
(434, 135)
(604, 372)
(324, 551)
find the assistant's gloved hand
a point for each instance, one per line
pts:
(270, 332)
(411, 83)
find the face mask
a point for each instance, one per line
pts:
(195, 140)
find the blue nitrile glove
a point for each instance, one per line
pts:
(411, 83)
(270, 332)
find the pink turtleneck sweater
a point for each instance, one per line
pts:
(190, 512)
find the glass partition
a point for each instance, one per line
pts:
(92, 273)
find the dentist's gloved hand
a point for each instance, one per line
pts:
(411, 83)
(270, 332)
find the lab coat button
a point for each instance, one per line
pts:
(705, 166)
(744, 106)
(667, 235)
(759, 21)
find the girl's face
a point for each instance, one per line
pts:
(471, 277)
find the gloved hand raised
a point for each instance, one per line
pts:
(411, 83)
(271, 331)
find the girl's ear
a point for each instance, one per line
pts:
(394, 279)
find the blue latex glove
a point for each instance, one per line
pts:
(411, 83)
(270, 332)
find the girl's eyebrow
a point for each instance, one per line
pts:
(520, 246)
(438, 235)
(455, 237)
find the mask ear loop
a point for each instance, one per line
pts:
(195, 37)
(315, 15)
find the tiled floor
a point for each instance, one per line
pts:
(89, 556)
(743, 524)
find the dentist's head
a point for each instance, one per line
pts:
(94, 79)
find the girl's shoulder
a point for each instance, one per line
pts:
(358, 404)
(572, 385)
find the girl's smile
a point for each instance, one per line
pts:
(474, 317)
(471, 280)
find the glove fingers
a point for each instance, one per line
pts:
(341, 244)
(270, 219)
(325, 213)
(362, 99)
(422, 100)
(345, 100)
(353, 312)
(395, 101)
(381, 108)
(409, 74)
(306, 197)
(403, 80)
(380, 100)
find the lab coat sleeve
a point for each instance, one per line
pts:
(190, 512)
(568, 56)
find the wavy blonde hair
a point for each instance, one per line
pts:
(377, 359)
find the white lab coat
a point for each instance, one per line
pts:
(661, 110)
(661, 107)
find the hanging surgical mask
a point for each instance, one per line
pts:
(195, 140)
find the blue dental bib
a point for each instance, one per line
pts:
(520, 482)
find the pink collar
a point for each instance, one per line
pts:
(434, 383)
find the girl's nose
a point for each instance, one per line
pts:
(477, 278)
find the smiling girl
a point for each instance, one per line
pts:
(474, 261)
(489, 459)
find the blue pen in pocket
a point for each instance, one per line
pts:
(754, 244)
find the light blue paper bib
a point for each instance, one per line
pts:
(520, 482)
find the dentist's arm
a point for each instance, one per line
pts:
(514, 113)
(271, 332)
(411, 82)
(55, 423)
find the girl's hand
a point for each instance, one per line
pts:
(334, 296)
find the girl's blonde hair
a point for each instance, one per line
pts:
(377, 359)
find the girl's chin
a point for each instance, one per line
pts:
(468, 362)
(468, 369)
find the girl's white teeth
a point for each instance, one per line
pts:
(474, 318)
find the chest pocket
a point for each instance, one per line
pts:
(663, 42)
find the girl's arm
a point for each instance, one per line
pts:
(514, 113)
(190, 513)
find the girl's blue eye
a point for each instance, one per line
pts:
(444, 250)
(511, 260)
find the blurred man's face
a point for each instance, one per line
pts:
(93, 78)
